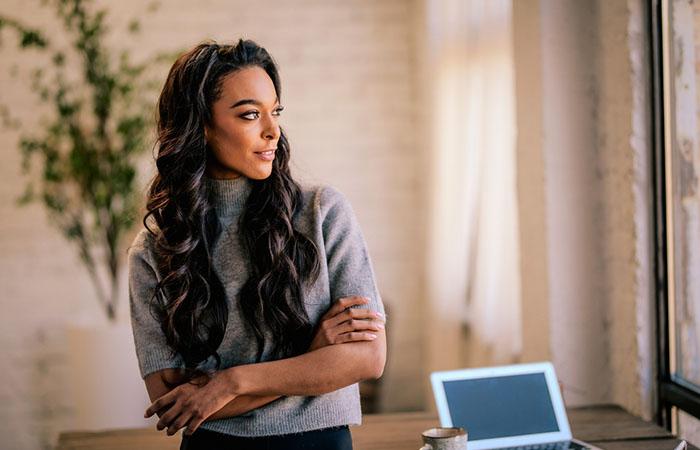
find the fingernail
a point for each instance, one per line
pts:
(380, 326)
(373, 336)
(378, 315)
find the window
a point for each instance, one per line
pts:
(675, 31)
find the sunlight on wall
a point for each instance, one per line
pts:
(473, 276)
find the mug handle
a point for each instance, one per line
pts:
(426, 447)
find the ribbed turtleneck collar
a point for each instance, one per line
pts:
(228, 196)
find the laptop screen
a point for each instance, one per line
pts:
(503, 406)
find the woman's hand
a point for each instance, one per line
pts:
(190, 404)
(344, 324)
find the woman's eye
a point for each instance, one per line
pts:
(252, 115)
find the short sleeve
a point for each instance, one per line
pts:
(350, 270)
(152, 351)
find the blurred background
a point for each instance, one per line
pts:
(523, 178)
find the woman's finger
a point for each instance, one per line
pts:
(359, 325)
(161, 403)
(193, 425)
(167, 419)
(354, 314)
(178, 423)
(356, 336)
(344, 303)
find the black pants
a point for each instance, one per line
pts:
(336, 438)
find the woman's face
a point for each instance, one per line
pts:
(244, 132)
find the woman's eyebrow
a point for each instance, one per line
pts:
(251, 101)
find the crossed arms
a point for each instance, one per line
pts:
(326, 367)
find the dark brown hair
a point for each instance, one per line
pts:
(190, 299)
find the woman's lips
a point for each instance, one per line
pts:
(267, 155)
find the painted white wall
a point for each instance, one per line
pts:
(534, 262)
(573, 208)
(348, 86)
(355, 77)
(585, 197)
(584, 203)
(472, 274)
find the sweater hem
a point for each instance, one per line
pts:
(263, 430)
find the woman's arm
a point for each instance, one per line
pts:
(339, 325)
(159, 383)
(321, 371)
(191, 404)
(318, 372)
(151, 347)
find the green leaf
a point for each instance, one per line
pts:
(32, 38)
(153, 6)
(27, 196)
(59, 59)
(79, 159)
(53, 202)
(8, 121)
(134, 26)
(74, 230)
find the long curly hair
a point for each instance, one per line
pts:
(190, 299)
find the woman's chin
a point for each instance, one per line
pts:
(259, 174)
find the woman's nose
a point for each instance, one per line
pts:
(272, 130)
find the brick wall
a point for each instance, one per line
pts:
(348, 86)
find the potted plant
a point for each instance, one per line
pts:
(81, 164)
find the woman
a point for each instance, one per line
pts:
(253, 301)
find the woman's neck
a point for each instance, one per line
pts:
(228, 196)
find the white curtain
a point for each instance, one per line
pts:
(473, 252)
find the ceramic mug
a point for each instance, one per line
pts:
(444, 439)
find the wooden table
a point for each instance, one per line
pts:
(608, 427)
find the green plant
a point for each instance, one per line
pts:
(81, 161)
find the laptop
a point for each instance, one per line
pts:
(518, 407)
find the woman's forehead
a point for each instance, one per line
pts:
(248, 83)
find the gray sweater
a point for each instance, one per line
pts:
(327, 218)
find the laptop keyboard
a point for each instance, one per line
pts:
(565, 445)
